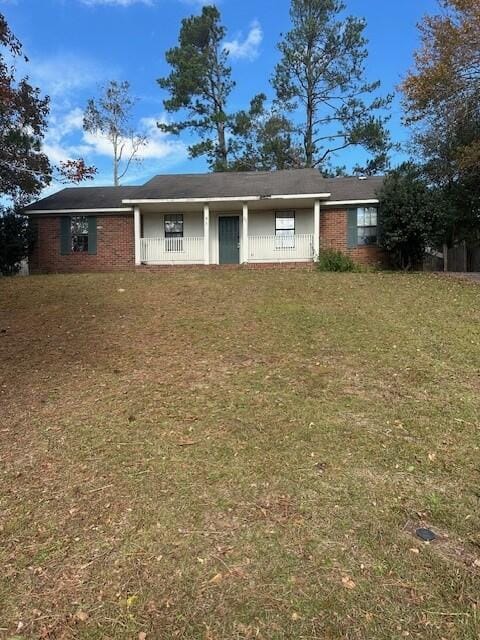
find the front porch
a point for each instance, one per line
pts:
(219, 234)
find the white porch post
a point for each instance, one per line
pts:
(206, 233)
(245, 232)
(137, 232)
(316, 228)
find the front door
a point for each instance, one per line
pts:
(228, 240)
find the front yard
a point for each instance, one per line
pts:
(236, 454)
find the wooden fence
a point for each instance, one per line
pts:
(460, 259)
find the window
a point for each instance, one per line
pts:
(367, 225)
(173, 227)
(79, 233)
(285, 229)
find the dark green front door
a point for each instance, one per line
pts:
(228, 240)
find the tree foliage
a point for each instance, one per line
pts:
(199, 85)
(447, 65)
(263, 139)
(24, 168)
(16, 238)
(74, 171)
(322, 74)
(441, 99)
(111, 116)
(411, 216)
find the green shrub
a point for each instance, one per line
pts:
(16, 238)
(331, 260)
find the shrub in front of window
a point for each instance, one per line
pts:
(16, 239)
(411, 216)
(332, 260)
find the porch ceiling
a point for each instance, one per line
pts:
(228, 206)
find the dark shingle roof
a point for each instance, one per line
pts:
(232, 184)
(213, 185)
(83, 198)
(351, 188)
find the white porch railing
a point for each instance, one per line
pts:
(280, 248)
(172, 250)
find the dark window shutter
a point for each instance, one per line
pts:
(352, 232)
(65, 236)
(92, 235)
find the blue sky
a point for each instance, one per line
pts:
(76, 45)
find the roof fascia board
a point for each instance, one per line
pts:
(334, 203)
(97, 210)
(293, 196)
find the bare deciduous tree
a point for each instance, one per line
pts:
(111, 116)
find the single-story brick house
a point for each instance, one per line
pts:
(252, 218)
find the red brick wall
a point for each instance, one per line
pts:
(333, 235)
(115, 246)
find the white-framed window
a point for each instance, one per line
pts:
(79, 233)
(285, 229)
(173, 229)
(367, 225)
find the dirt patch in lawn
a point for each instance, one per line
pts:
(452, 549)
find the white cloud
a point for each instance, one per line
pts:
(64, 73)
(115, 3)
(66, 139)
(200, 3)
(129, 3)
(57, 144)
(249, 48)
(158, 147)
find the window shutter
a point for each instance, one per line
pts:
(65, 236)
(352, 231)
(92, 235)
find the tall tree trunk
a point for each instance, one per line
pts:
(308, 138)
(222, 155)
(115, 164)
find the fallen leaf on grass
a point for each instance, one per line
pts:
(186, 443)
(81, 616)
(348, 583)
(216, 578)
(131, 600)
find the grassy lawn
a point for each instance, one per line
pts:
(237, 454)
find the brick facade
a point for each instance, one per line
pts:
(333, 235)
(115, 245)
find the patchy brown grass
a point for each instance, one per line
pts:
(239, 455)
